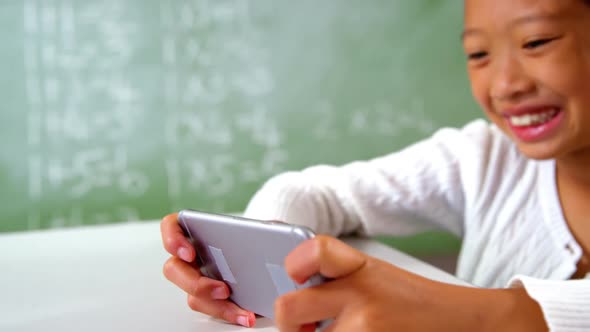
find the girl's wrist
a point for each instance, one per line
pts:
(478, 309)
(512, 309)
(527, 312)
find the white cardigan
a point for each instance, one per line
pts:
(472, 182)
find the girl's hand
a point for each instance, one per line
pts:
(371, 295)
(205, 295)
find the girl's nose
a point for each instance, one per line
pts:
(510, 81)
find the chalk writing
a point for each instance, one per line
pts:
(227, 65)
(136, 108)
(81, 109)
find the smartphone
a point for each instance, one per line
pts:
(248, 255)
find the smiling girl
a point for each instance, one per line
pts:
(516, 190)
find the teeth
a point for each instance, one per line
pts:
(532, 119)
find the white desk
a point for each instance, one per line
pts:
(109, 278)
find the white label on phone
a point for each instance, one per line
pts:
(280, 278)
(222, 265)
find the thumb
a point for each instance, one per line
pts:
(325, 255)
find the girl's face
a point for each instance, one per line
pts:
(529, 67)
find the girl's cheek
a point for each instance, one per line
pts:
(479, 91)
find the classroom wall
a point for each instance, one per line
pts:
(127, 110)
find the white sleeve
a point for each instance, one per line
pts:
(565, 303)
(416, 189)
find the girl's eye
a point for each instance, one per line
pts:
(538, 43)
(477, 55)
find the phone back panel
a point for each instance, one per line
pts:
(247, 254)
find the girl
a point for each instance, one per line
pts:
(516, 191)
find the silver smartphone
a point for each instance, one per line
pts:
(247, 254)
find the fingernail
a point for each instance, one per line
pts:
(184, 254)
(244, 321)
(219, 293)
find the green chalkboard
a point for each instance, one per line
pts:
(129, 109)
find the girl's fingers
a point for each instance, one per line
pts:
(222, 309)
(174, 240)
(323, 255)
(189, 279)
(332, 259)
(206, 295)
(296, 310)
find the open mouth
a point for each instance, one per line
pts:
(536, 126)
(536, 119)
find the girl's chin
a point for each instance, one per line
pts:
(539, 151)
